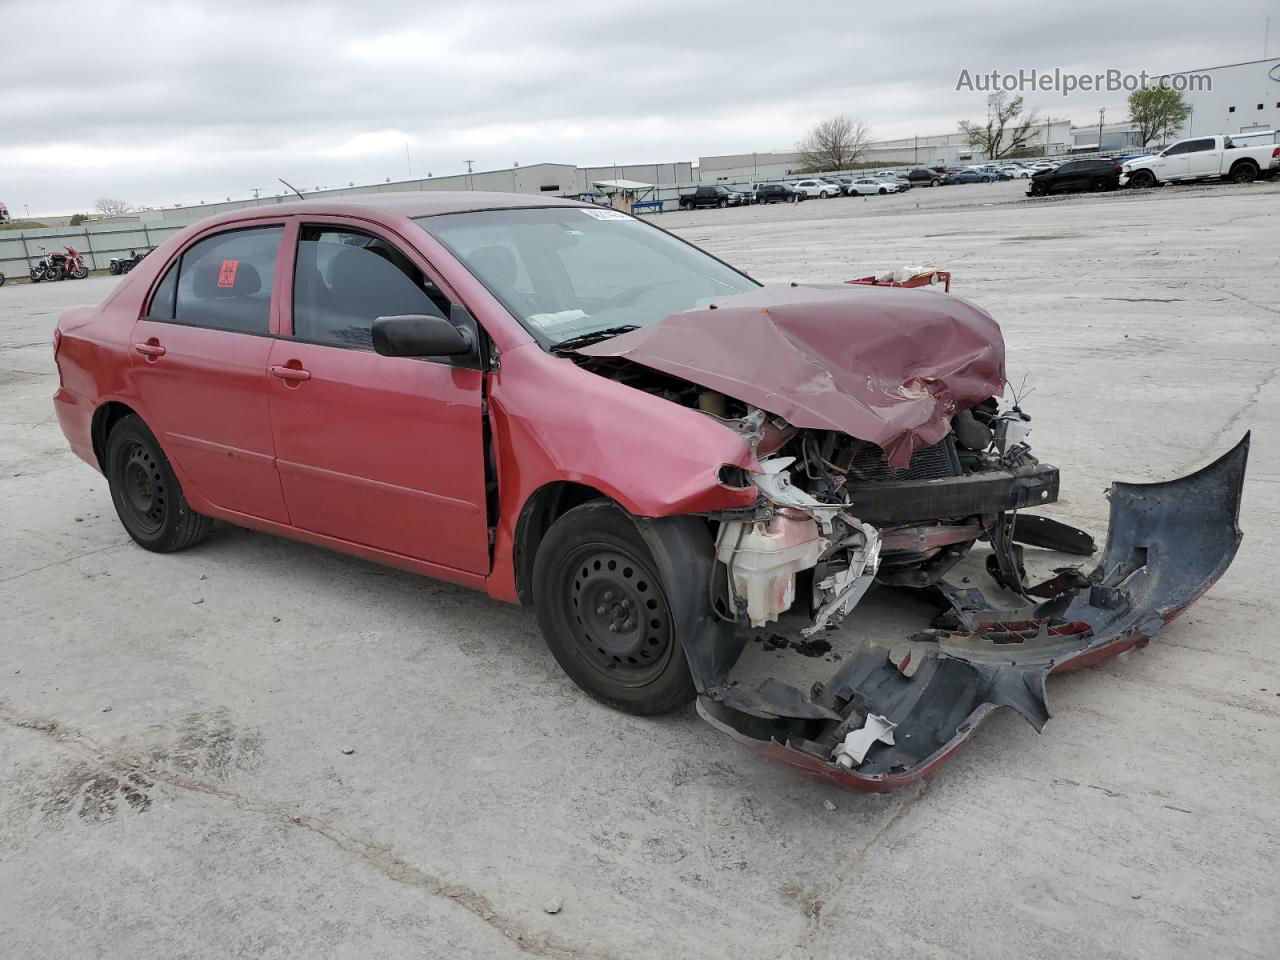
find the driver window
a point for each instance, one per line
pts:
(344, 279)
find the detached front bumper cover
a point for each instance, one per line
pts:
(1167, 543)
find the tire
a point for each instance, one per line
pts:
(823, 195)
(146, 493)
(935, 182)
(36, 275)
(604, 614)
(1, 279)
(1142, 180)
(52, 273)
(1039, 190)
(80, 272)
(722, 204)
(1244, 172)
(1099, 185)
(114, 267)
(883, 191)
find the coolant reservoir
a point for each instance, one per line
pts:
(763, 557)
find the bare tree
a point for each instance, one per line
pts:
(1007, 129)
(112, 208)
(835, 144)
(1157, 112)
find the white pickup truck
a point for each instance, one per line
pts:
(1201, 157)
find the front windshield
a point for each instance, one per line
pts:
(566, 272)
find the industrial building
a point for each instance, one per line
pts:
(1238, 98)
(1242, 98)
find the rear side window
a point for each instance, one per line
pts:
(162, 301)
(344, 280)
(224, 281)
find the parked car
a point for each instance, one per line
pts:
(712, 195)
(565, 406)
(903, 183)
(1014, 172)
(969, 176)
(1201, 158)
(1096, 175)
(817, 188)
(778, 193)
(872, 186)
(923, 177)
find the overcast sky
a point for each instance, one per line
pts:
(163, 103)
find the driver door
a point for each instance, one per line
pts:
(1173, 163)
(385, 452)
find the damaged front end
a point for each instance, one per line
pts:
(893, 713)
(884, 458)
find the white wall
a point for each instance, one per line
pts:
(1243, 86)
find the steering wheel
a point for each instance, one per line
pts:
(626, 297)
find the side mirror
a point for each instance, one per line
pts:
(419, 335)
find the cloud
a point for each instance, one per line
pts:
(163, 103)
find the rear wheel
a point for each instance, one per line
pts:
(1099, 184)
(604, 612)
(113, 267)
(1244, 172)
(146, 493)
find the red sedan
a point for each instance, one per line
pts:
(565, 406)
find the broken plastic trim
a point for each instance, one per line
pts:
(1167, 543)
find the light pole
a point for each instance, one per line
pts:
(1102, 114)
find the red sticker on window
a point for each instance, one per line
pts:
(227, 275)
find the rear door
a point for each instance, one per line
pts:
(386, 452)
(1203, 158)
(200, 365)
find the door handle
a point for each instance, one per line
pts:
(290, 374)
(151, 350)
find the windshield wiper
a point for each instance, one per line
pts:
(594, 336)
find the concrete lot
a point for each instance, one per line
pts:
(175, 778)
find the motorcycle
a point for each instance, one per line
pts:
(59, 266)
(73, 264)
(45, 268)
(125, 264)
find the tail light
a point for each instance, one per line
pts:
(57, 340)
(1275, 152)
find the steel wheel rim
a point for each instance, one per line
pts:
(616, 614)
(143, 491)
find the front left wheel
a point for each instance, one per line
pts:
(146, 493)
(605, 614)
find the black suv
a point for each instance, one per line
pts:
(923, 177)
(712, 196)
(777, 193)
(1093, 175)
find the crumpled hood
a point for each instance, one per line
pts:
(882, 364)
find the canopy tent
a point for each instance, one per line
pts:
(623, 194)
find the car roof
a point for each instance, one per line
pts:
(408, 203)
